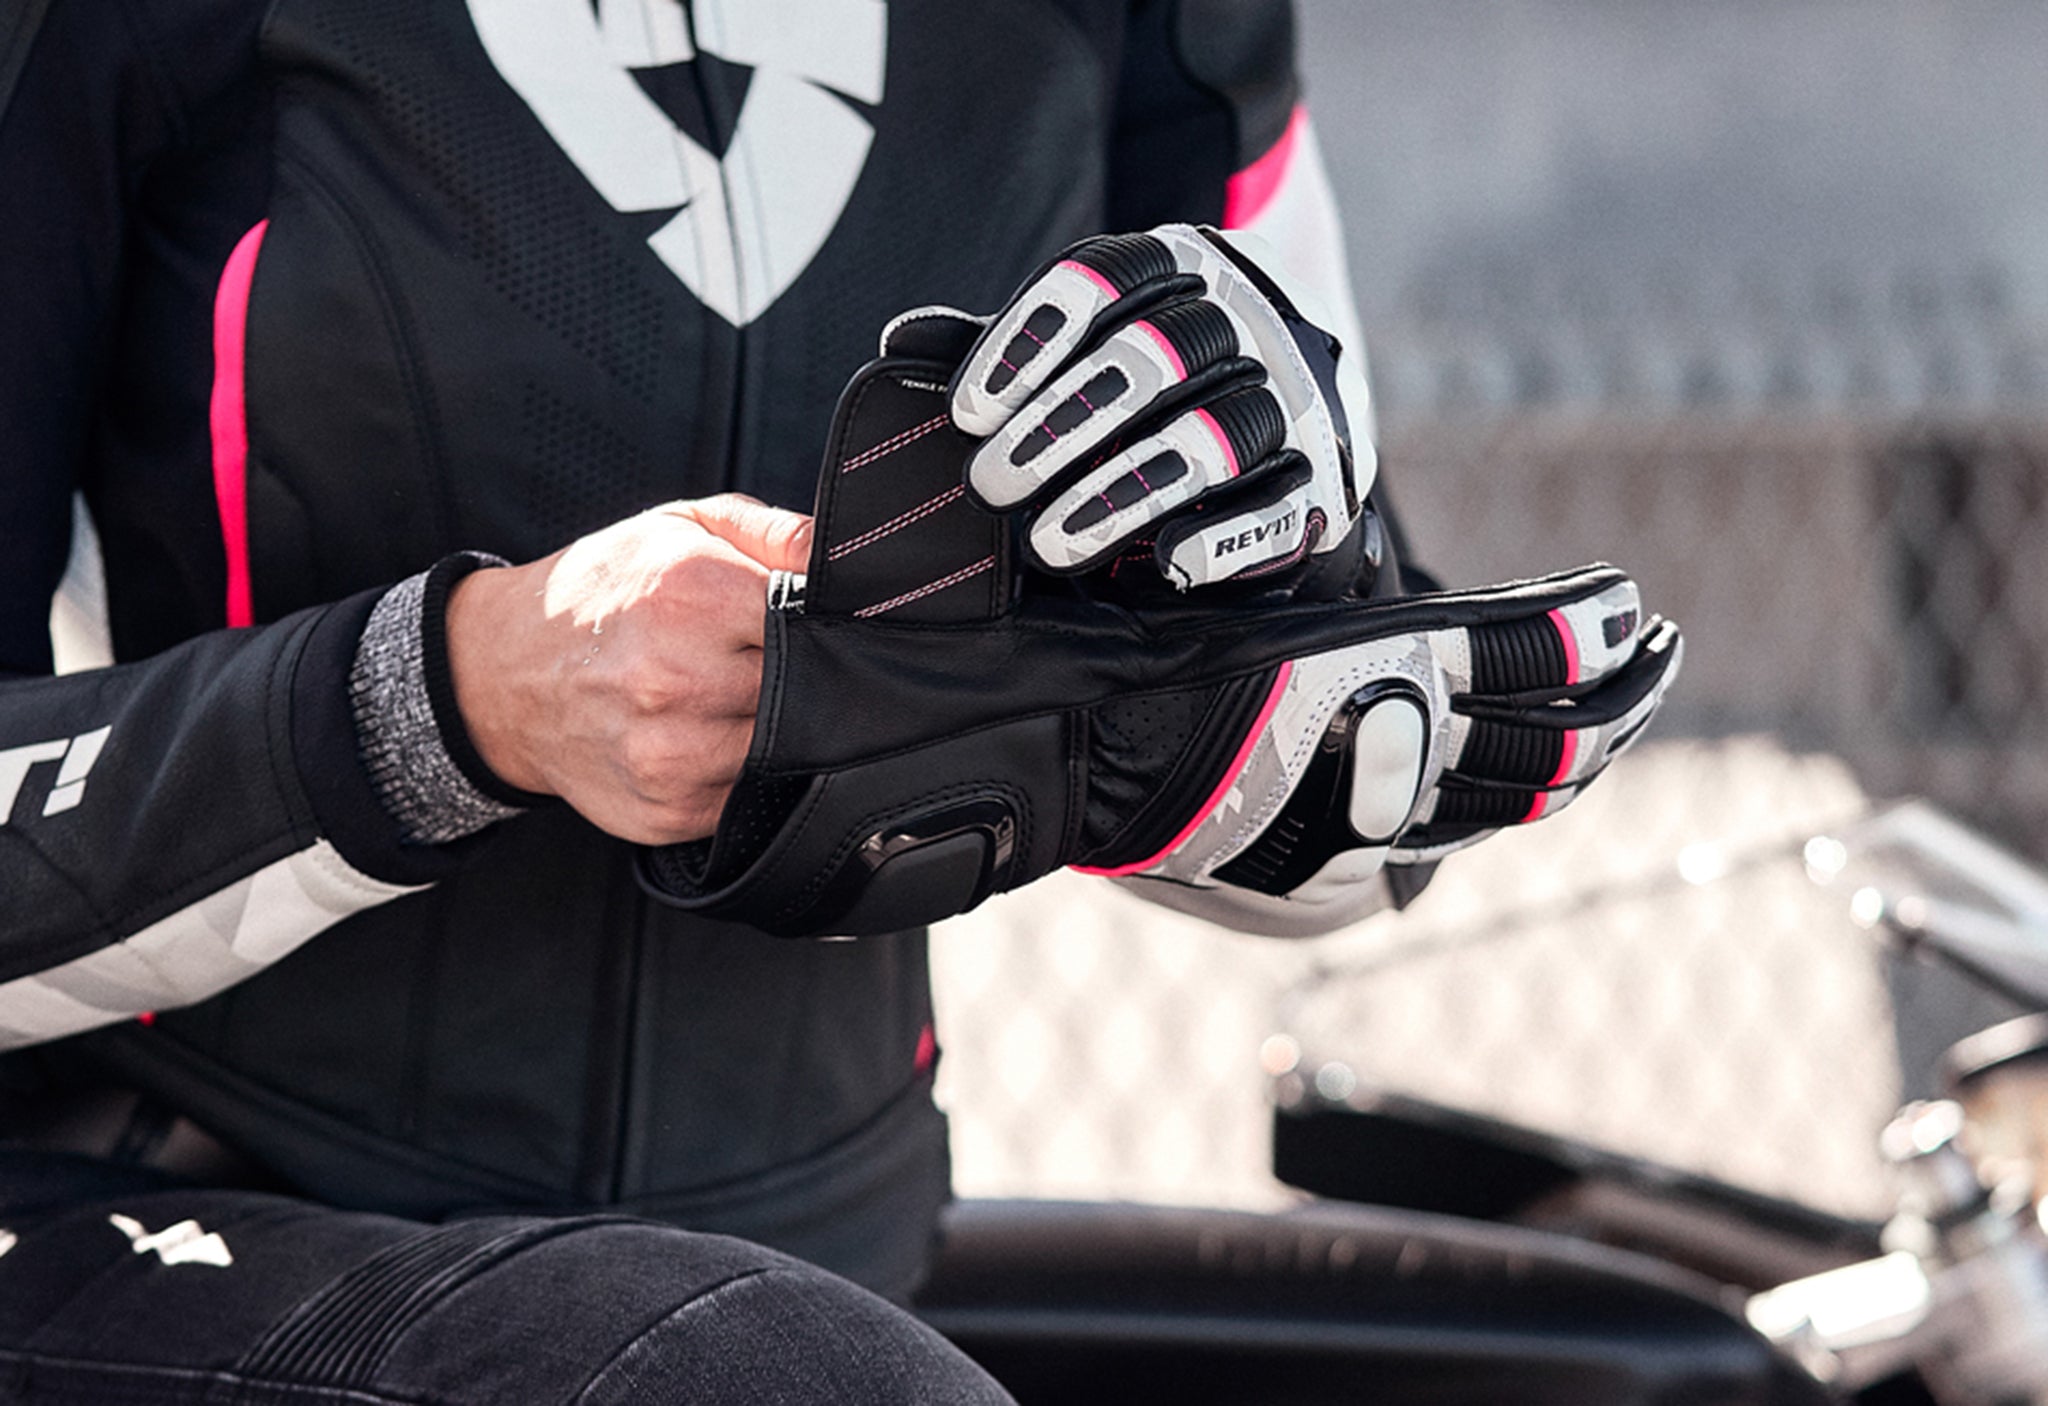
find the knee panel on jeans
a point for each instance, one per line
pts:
(602, 1310)
(526, 1309)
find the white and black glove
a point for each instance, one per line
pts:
(1374, 761)
(1168, 394)
(939, 721)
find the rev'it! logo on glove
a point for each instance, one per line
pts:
(745, 222)
(1257, 535)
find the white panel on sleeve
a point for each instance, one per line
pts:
(197, 951)
(1331, 900)
(1300, 222)
(80, 637)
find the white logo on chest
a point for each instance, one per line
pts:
(745, 224)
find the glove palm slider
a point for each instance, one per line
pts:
(939, 722)
(1165, 391)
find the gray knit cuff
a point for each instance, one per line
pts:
(402, 743)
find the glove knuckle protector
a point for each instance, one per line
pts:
(938, 722)
(1164, 393)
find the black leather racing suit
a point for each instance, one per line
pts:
(508, 270)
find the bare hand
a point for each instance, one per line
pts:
(622, 672)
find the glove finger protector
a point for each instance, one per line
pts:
(1372, 761)
(936, 725)
(1138, 375)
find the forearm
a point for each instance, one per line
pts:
(177, 824)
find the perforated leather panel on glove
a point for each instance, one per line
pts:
(937, 723)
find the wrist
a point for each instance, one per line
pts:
(477, 690)
(413, 747)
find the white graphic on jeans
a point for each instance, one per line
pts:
(747, 224)
(74, 756)
(183, 1243)
(8, 1240)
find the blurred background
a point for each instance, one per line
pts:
(1750, 297)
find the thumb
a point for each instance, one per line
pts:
(775, 537)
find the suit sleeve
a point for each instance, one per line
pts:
(1211, 128)
(171, 825)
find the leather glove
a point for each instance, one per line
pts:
(1168, 392)
(938, 723)
(1379, 759)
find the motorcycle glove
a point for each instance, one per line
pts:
(1167, 392)
(938, 723)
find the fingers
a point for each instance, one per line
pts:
(1109, 389)
(1050, 320)
(1616, 717)
(715, 597)
(624, 672)
(1186, 353)
(1201, 450)
(1599, 633)
(1514, 775)
(1570, 645)
(775, 537)
(667, 789)
(1513, 763)
(1105, 354)
(1541, 702)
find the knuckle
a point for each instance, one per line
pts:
(645, 762)
(690, 577)
(646, 688)
(713, 582)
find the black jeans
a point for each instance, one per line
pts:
(117, 1287)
